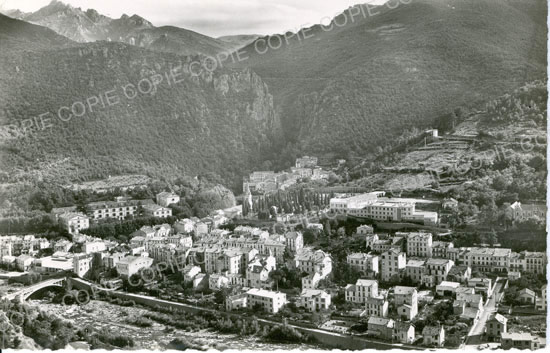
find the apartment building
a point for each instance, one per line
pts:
(74, 222)
(313, 261)
(436, 271)
(406, 301)
(361, 290)
(440, 249)
(496, 326)
(314, 300)
(121, 208)
(258, 270)
(377, 306)
(364, 263)
(393, 262)
(270, 301)
(82, 264)
(415, 269)
(418, 244)
(294, 241)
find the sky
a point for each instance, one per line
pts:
(213, 17)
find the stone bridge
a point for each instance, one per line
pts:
(26, 292)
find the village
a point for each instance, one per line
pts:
(413, 288)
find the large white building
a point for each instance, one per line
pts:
(374, 206)
(269, 301)
(121, 208)
(131, 265)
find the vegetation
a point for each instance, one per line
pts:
(53, 333)
(220, 122)
(26, 208)
(293, 201)
(355, 105)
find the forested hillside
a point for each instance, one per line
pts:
(219, 122)
(353, 85)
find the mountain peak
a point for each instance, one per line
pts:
(140, 21)
(58, 5)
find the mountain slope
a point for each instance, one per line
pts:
(218, 122)
(16, 35)
(239, 41)
(349, 88)
(89, 26)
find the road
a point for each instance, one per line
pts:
(476, 335)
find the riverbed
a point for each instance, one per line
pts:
(99, 315)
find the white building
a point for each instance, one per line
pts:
(82, 263)
(313, 261)
(406, 301)
(294, 241)
(419, 244)
(314, 300)
(131, 265)
(121, 208)
(415, 269)
(217, 281)
(364, 263)
(436, 271)
(166, 199)
(24, 262)
(361, 290)
(521, 212)
(542, 301)
(56, 263)
(271, 302)
(447, 288)
(258, 270)
(157, 211)
(74, 222)
(377, 306)
(93, 247)
(393, 262)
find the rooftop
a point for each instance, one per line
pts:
(518, 336)
(401, 290)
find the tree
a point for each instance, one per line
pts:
(492, 238)
(328, 230)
